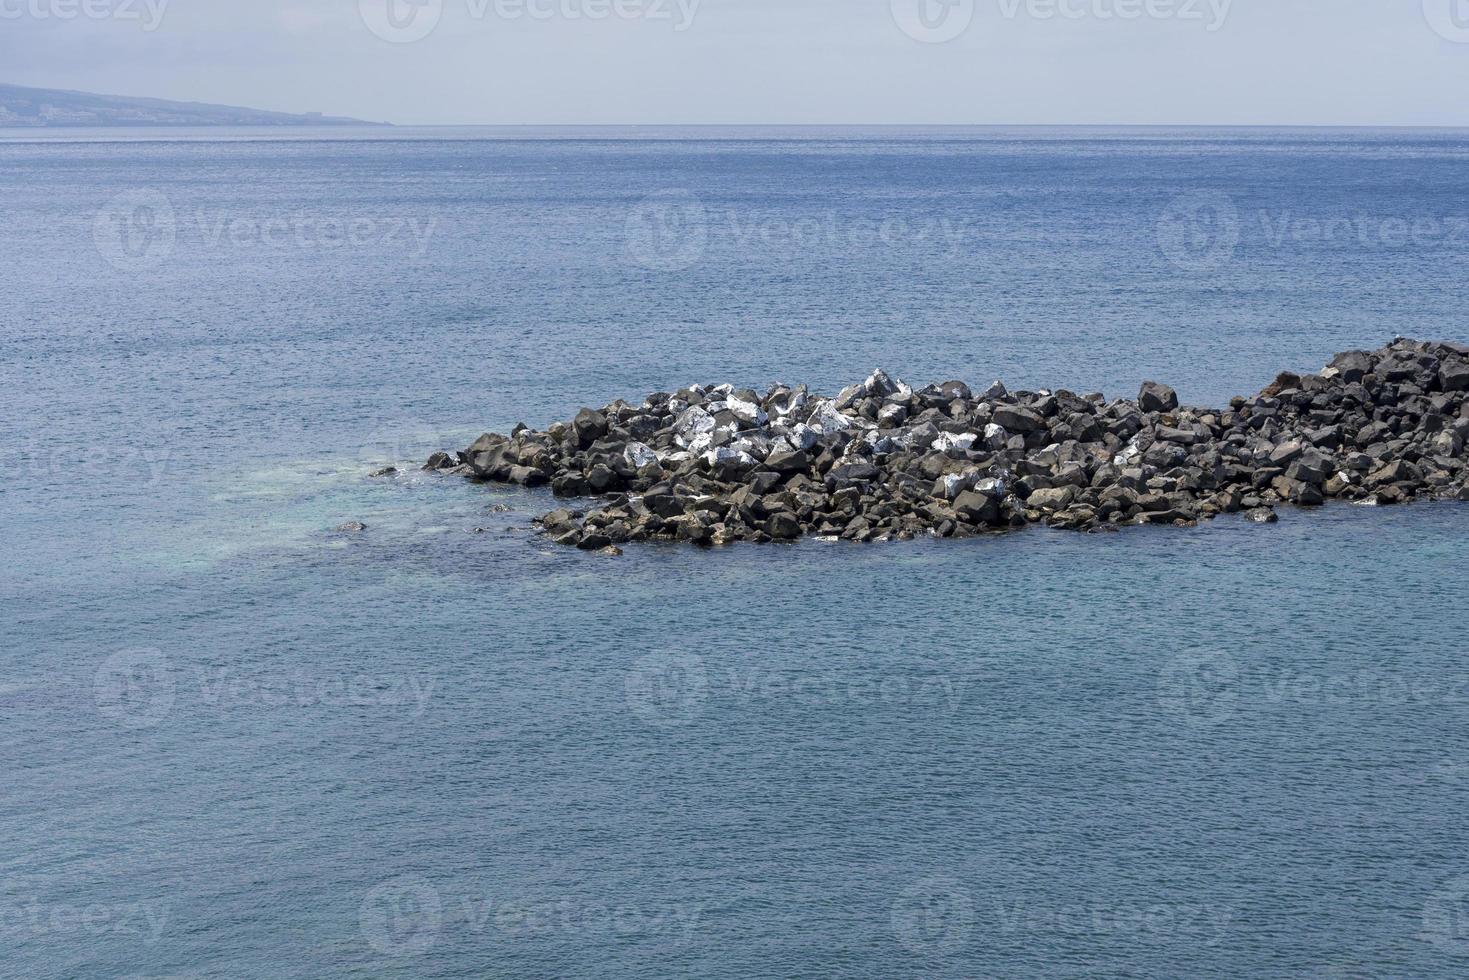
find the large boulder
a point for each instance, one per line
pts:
(976, 508)
(589, 426)
(638, 455)
(1018, 419)
(1352, 366)
(1154, 397)
(747, 412)
(1454, 376)
(827, 421)
(1052, 498)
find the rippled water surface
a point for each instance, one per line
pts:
(236, 743)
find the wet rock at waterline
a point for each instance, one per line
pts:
(883, 461)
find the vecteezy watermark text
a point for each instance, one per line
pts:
(142, 688)
(141, 229)
(407, 916)
(938, 21)
(942, 916)
(667, 690)
(407, 21)
(1203, 231)
(31, 915)
(671, 231)
(148, 14)
(1209, 688)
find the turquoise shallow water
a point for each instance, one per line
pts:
(236, 744)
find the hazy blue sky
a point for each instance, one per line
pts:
(1402, 62)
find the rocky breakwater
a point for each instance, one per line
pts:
(883, 461)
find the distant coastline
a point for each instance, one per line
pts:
(45, 108)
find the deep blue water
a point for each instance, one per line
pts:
(237, 744)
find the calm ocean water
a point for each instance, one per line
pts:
(237, 744)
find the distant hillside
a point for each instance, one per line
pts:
(53, 107)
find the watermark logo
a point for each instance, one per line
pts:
(1446, 918)
(148, 14)
(136, 231)
(1202, 688)
(667, 690)
(397, 443)
(1449, 19)
(933, 21)
(135, 688)
(401, 21)
(933, 916)
(402, 917)
(1199, 231)
(667, 231)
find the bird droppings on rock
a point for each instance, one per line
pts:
(882, 461)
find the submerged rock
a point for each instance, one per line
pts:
(882, 461)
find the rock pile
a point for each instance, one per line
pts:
(884, 461)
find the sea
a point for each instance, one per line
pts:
(236, 742)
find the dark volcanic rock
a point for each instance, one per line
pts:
(882, 461)
(1157, 398)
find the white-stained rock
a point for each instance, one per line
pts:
(747, 412)
(879, 385)
(950, 442)
(639, 455)
(827, 421)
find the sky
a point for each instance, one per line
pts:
(1126, 62)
